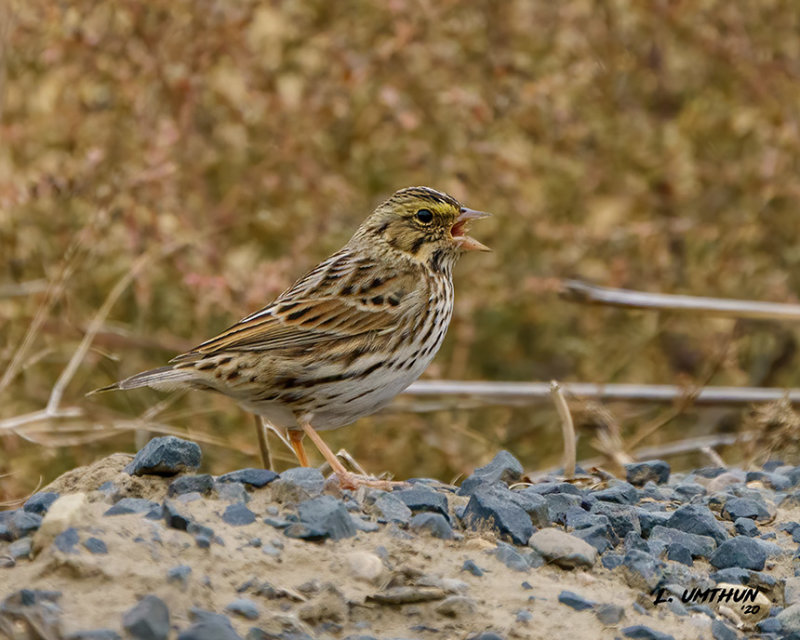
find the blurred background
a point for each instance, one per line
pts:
(183, 161)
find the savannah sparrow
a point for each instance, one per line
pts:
(347, 337)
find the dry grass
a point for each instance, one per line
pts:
(653, 146)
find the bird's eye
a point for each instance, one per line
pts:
(424, 216)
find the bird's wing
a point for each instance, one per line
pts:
(318, 311)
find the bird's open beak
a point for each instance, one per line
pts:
(459, 229)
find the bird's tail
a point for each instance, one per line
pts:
(163, 378)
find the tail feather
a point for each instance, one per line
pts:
(163, 378)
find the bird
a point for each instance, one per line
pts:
(344, 339)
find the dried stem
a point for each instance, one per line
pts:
(567, 428)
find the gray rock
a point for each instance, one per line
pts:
(252, 477)
(67, 540)
(432, 523)
(95, 546)
(612, 560)
(640, 473)
(546, 488)
(574, 601)
(18, 524)
(21, 548)
(180, 574)
(563, 549)
(697, 519)
(388, 508)
(623, 518)
(40, 502)
(208, 626)
(685, 491)
(510, 557)
(133, 505)
(534, 505)
(601, 537)
(641, 632)
(503, 468)
(238, 515)
(298, 484)
(244, 608)
(609, 614)
(423, 499)
(634, 541)
(495, 507)
(93, 634)
(746, 527)
(474, 569)
(791, 590)
(560, 504)
(721, 631)
(649, 519)
(232, 492)
(699, 546)
(740, 551)
(327, 515)
(165, 456)
(202, 484)
(789, 619)
(745, 508)
(642, 571)
(619, 492)
(679, 553)
(173, 516)
(148, 619)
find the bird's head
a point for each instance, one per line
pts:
(428, 225)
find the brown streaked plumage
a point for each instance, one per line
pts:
(348, 336)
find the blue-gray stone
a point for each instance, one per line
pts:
(577, 518)
(623, 518)
(148, 619)
(503, 468)
(432, 523)
(740, 551)
(209, 626)
(574, 601)
(612, 560)
(641, 632)
(67, 540)
(640, 473)
(298, 484)
(535, 505)
(559, 504)
(697, 519)
(389, 508)
(634, 541)
(40, 502)
(18, 524)
(653, 492)
(21, 548)
(252, 477)
(699, 546)
(679, 553)
(642, 570)
(238, 515)
(688, 490)
(545, 488)
(609, 614)
(165, 456)
(232, 492)
(202, 484)
(776, 481)
(619, 493)
(649, 518)
(327, 515)
(600, 536)
(770, 625)
(93, 634)
(474, 569)
(132, 505)
(732, 575)
(495, 506)
(95, 545)
(746, 527)
(510, 557)
(423, 499)
(736, 508)
(709, 472)
(243, 607)
(179, 574)
(174, 518)
(721, 631)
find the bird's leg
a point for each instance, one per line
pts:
(263, 444)
(296, 440)
(347, 480)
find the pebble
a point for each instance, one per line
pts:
(619, 492)
(789, 619)
(19, 524)
(642, 571)
(623, 518)
(609, 614)
(326, 515)
(174, 518)
(132, 505)
(510, 557)
(423, 499)
(211, 630)
(298, 484)
(679, 553)
(388, 507)
(699, 520)
(741, 551)
(746, 527)
(721, 631)
(244, 608)
(232, 492)
(641, 632)
(474, 569)
(40, 502)
(202, 484)
(485, 635)
(165, 456)
(574, 601)
(503, 468)
(67, 540)
(698, 545)
(649, 519)
(559, 505)
(563, 549)
(601, 537)
(432, 523)
(456, 606)
(546, 488)
(492, 506)
(238, 515)
(640, 473)
(745, 508)
(95, 546)
(257, 478)
(365, 566)
(21, 548)
(148, 619)
(179, 574)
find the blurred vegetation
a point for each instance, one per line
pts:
(651, 145)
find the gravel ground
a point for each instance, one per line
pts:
(147, 548)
